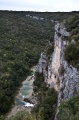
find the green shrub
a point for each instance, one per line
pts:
(72, 50)
(23, 115)
(75, 37)
(71, 54)
(75, 31)
(69, 110)
(50, 50)
(61, 70)
(46, 107)
(72, 23)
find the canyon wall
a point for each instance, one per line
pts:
(64, 78)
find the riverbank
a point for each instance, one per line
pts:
(25, 91)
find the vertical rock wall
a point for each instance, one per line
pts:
(59, 45)
(68, 76)
(63, 77)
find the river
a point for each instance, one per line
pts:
(25, 91)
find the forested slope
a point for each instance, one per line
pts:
(72, 51)
(21, 41)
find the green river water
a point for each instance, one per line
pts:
(25, 89)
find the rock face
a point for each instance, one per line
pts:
(63, 77)
(57, 56)
(31, 100)
(67, 76)
(42, 63)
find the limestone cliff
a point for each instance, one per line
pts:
(60, 75)
(68, 76)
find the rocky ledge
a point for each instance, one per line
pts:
(31, 100)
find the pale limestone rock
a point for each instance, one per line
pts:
(66, 84)
(69, 81)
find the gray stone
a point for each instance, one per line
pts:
(66, 84)
(42, 63)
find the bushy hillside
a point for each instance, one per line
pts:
(72, 50)
(21, 41)
(69, 110)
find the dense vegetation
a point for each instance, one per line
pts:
(47, 102)
(47, 99)
(69, 110)
(23, 115)
(22, 39)
(72, 50)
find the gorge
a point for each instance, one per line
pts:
(50, 89)
(24, 93)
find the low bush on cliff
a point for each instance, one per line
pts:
(50, 50)
(72, 54)
(61, 70)
(69, 110)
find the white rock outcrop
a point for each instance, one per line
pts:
(68, 81)
(59, 45)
